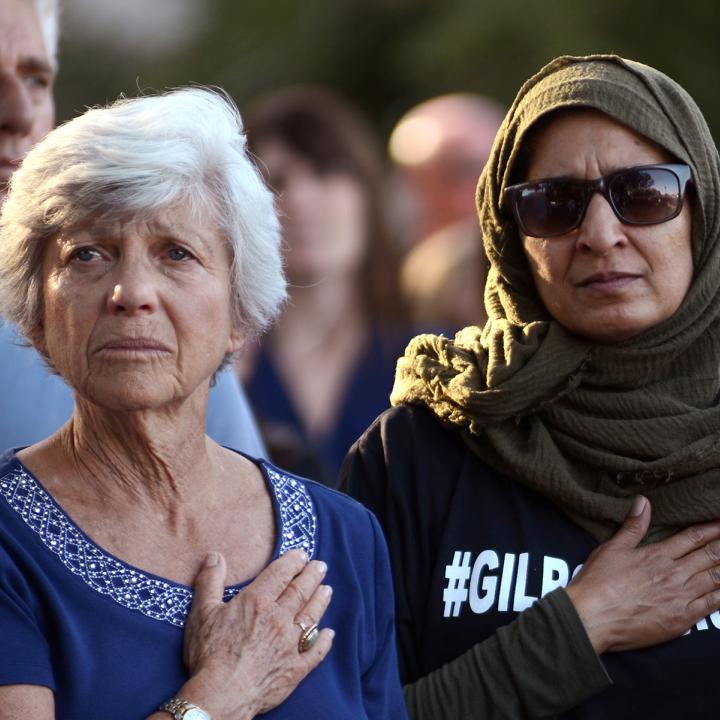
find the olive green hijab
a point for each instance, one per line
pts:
(589, 426)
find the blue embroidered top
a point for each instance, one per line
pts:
(107, 637)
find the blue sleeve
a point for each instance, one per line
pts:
(35, 402)
(382, 692)
(24, 651)
(230, 421)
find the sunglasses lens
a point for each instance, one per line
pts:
(639, 196)
(644, 196)
(550, 208)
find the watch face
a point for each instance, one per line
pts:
(195, 714)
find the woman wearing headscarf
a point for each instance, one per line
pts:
(575, 439)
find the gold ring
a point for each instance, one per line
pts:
(308, 637)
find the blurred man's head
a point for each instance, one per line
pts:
(28, 49)
(440, 147)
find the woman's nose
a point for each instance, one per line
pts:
(601, 230)
(134, 291)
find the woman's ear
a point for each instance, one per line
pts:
(236, 341)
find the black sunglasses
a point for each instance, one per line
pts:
(643, 195)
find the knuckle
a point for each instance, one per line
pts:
(305, 619)
(714, 574)
(200, 609)
(284, 569)
(633, 527)
(295, 560)
(254, 602)
(712, 550)
(695, 536)
(299, 594)
(712, 601)
(272, 573)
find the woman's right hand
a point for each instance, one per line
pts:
(243, 656)
(630, 596)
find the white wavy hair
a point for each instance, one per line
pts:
(48, 12)
(133, 159)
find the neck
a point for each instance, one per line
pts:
(151, 457)
(316, 315)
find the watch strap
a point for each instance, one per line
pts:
(178, 708)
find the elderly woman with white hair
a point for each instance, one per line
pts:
(146, 571)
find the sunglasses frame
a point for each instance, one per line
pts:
(601, 185)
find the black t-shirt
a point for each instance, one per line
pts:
(471, 549)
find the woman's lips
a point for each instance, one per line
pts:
(132, 347)
(606, 283)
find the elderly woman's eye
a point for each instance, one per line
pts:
(85, 254)
(178, 253)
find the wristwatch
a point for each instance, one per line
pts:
(184, 710)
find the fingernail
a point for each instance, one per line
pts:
(327, 590)
(321, 567)
(212, 559)
(638, 506)
(303, 556)
(331, 633)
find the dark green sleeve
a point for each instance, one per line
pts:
(537, 666)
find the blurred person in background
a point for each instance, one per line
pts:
(37, 402)
(146, 571)
(549, 484)
(438, 149)
(325, 370)
(442, 279)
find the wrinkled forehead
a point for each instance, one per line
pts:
(22, 41)
(536, 137)
(616, 90)
(109, 208)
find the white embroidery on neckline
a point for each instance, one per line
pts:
(154, 597)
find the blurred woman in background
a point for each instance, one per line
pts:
(326, 369)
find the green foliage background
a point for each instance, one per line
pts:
(386, 55)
